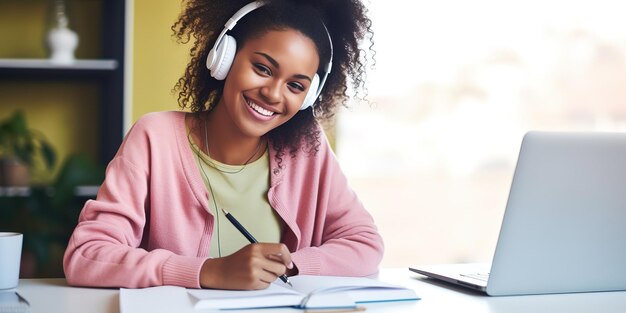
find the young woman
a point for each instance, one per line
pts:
(251, 145)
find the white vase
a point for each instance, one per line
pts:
(62, 42)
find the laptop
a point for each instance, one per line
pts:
(564, 226)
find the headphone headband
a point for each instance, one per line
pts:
(329, 65)
(232, 21)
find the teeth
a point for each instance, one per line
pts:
(259, 109)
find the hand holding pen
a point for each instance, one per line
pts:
(252, 267)
(251, 238)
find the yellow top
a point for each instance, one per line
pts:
(242, 191)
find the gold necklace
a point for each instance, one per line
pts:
(206, 177)
(216, 166)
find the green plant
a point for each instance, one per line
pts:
(48, 214)
(26, 144)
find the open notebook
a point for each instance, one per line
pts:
(309, 292)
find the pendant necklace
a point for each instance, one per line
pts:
(216, 166)
(206, 177)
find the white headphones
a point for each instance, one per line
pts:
(221, 56)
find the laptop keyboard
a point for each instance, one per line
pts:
(479, 276)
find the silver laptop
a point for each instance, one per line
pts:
(564, 227)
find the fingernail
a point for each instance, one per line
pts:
(290, 266)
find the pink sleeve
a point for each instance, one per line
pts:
(103, 250)
(349, 243)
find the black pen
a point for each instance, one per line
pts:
(250, 238)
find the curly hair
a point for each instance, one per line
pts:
(201, 21)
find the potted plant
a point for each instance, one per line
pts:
(47, 219)
(20, 147)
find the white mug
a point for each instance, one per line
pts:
(10, 254)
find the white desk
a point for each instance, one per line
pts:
(54, 296)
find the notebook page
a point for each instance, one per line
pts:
(274, 295)
(307, 284)
(347, 291)
(162, 299)
(307, 292)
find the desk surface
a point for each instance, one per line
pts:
(54, 296)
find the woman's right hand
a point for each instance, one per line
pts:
(255, 266)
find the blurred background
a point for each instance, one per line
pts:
(455, 86)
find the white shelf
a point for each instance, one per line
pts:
(15, 191)
(47, 64)
(86, 191)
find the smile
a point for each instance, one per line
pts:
(257, 108)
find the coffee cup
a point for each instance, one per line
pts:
(10, 254)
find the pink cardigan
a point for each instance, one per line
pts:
(150, 224)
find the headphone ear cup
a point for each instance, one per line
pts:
(224, 56)
(311, 94)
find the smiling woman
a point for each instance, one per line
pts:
(251, 145)
(265, 87)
